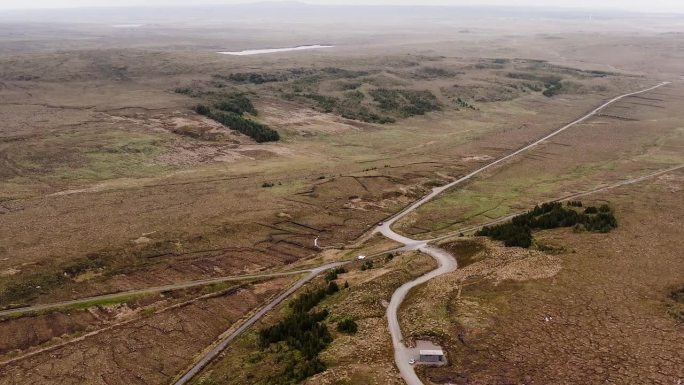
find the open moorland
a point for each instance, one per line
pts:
(592, 308)
(133, 156)
(636, 135)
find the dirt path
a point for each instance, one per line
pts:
(563, 199)
(149, 290)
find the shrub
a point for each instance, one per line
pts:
(343, 73)
(332, 274)
(30, 287)
(90, 263)
(235, 102)
(405, 102)
(434, 72)
(332, 288)
(203, 110)
(677, 295)
(325, 103)
(255, 77)
(367, 265)
(464, 104)
(348, 326)
(184, 90)
(552, 88)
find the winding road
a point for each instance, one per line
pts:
(447, 262)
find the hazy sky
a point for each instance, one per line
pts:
(637, 5)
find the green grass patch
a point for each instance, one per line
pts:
(121, 154)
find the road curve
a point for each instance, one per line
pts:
(447, 262)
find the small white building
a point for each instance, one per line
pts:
(361, 257)
(436, 355)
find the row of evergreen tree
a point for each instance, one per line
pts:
(518, 232)
(304, 332)
(257, 131)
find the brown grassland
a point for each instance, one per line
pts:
(596, 310)
(110, 182)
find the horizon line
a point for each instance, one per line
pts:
(304, 3)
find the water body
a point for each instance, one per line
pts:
(274, 50)
(127, 25)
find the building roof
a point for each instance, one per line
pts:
(431, 353)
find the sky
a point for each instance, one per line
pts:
(632, 5)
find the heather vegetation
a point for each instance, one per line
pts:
(253, 77)
(367, 265)
(552, 88)
(347, 326)
(405, 102)
(676, 306)
(350, 106)
(235, 102)
(290, 74)
(25, 289)
(334, 273)
(677, 295)
(518, 232)
(434, 72)
(228, 109)
(462, 103)
(549, 84)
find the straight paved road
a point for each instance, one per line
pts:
(447, 262)
(216, 350)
